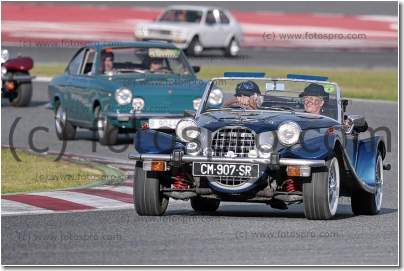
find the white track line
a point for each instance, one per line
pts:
(13, 207)
(122, 189)
(86, 199)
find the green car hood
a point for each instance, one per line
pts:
(163, 94)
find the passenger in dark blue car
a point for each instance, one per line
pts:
(314, 98)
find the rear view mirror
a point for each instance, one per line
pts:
(345, 103)
(215, 97)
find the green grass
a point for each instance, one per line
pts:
(40, 173)
(381, 84)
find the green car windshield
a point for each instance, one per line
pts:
(273, 94)
(143, 60)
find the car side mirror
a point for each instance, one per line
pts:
(355, 124)
(196, 69)
(344, 104)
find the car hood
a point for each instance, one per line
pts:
(261, 121)
(161, 94)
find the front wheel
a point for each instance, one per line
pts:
(149, 201)
(24, 95)
(320, 196)
(232, 49)
(195, 47)
(365, 203)
(65, 130)
(107, 134)
(204, 205)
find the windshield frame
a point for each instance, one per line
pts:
(211, 82)
(181, 56)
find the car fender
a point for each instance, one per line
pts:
(368, 150)
(317, 148)
(155, 142)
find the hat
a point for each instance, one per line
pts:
(314, 90)
(247, 88)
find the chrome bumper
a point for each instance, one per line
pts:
(189, 158)
(128, 116)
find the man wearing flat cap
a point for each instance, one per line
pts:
(314, 98)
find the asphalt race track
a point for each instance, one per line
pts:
(323, 58)
(236, 234)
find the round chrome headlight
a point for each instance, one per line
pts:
(288, 133)
(187, 130)
(196, 103)
(3, 70)
(137, 104)
(215, 97)
(123, 96)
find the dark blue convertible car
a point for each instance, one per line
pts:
(278, 141)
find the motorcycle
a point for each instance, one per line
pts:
(16, 79)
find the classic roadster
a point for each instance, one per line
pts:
(278, 141)
(118, 87)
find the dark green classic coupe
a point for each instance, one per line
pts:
(124, 86)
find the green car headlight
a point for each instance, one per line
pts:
(123, 96)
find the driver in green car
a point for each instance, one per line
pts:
(156, 65)
(107, 61)
(248, 96)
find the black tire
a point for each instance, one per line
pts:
(65, 130)
(149, 201)
(195, 47)
(107, 134)
(24, 94)
(229, 50)
(318, 204)
(365, 203)
(204, 205)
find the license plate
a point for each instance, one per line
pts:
(225, 169)
(160, 123)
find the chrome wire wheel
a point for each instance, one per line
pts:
(60, 119)
(379, 183)
(333, 185)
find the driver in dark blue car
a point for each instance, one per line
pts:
(248, 96)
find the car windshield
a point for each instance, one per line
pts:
(181, 15)
(272, 94)
(144, 60)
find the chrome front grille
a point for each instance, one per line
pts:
(232, 142)
(159, 32)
